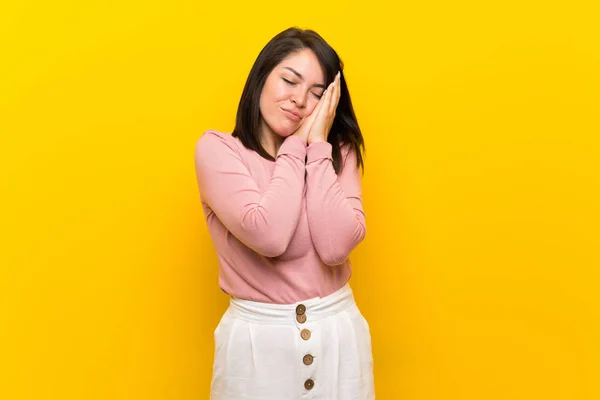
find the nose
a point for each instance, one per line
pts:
(299, 98)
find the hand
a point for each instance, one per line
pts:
(304, 129)
(326, 112)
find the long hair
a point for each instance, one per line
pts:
(345, 127)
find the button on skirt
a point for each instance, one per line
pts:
(315, 349)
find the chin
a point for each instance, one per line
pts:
(282, 128)
(285, 131)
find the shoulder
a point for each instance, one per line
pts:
(349, 156)
(213, 142)
(215, 149)
(213, 138)
(347, 150)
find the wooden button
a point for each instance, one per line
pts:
(305, 334)
(301, 318)
(309, 384)
(307, 359)
(300, 309)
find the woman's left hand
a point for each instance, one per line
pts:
(326, 113)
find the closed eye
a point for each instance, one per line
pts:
(318, 96)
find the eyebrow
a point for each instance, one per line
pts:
(299, 75)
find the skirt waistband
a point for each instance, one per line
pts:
(313, 309)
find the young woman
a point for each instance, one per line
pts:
(283, 204)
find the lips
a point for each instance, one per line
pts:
(294, 116)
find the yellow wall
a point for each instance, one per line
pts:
(479, 274)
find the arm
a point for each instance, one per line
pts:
(334, 203)
(263, 221)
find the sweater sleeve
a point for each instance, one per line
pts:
(263, 220)
(334, 203)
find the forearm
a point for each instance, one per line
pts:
(334, 206)
(264, 220)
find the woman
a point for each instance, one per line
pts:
(282, 199)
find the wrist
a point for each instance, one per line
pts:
(315, 140)
(318, 150)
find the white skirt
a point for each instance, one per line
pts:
(315, 349)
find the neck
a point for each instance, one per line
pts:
(269, 140)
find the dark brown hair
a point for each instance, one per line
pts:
(345, 127)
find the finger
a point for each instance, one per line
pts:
(309, 120)
(322, 101)
(339, 89)
(315, 110)
(335, 94)
(321, 111)
(339, 92)
(327, 98)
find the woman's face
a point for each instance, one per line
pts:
(291, 92)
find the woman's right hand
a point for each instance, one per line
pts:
(305, 127)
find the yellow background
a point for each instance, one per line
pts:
(480, 271)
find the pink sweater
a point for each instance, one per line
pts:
(283, 230)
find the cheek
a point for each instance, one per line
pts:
(281, 92)
(273, 96)
(312, 104)
(267, 99)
